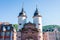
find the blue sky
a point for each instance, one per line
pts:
(49, 9)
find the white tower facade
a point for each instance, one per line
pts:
(21, 19)
(37, 19)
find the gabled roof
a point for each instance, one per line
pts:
(29, 23)
(6, 27)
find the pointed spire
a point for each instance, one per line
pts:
(37, 12)
(22, 13)
(36, 9)
(22, 8)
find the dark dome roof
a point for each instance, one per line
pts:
(37, 13)
(22, 13)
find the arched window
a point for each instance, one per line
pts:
(4, 29)
(29, 39)
(20, 24)
(38, 23)
(8, 27)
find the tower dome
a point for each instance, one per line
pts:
(37, 19)
(37, 13)
(22, 13)
(21, 19)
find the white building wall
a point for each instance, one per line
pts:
(22, 21)
(38, 22)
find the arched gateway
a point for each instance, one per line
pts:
(29, 32)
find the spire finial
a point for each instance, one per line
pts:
(22, 6)
(36, 8)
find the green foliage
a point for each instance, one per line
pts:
(15, 26)
(50, 27)
(45, 28)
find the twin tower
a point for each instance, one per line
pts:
(37, 20)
